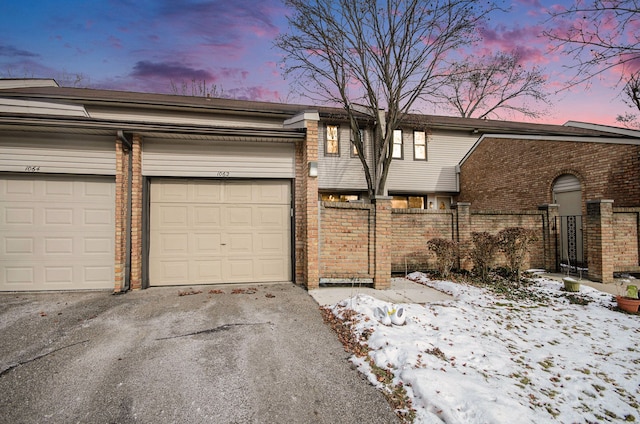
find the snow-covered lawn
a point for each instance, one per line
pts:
(484, 358)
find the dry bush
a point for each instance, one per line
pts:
(483, 253)
(446, 253)
(515, 243)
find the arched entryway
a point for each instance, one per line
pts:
(567, 194)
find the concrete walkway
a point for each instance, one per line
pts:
(406, 291)
(401, 291)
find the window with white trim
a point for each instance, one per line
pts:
(419, 145)
(397, 144)
(332, 143)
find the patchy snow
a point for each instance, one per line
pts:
(481, 358)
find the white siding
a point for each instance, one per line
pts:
(343, 172)
(174, 158)
(445, 149)
(184, 118)
(438, 173)
(56, 154)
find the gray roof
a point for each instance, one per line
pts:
(87, 96)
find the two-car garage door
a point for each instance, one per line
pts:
(219, 231)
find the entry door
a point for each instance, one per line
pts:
(568, 195)
(219, 231)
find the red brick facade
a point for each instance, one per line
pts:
(346, 234)
(518, 174)
(412, 228)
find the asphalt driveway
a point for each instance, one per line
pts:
(256, 354)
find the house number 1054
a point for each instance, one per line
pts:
(31, 168)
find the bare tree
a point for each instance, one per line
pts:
(598, 34)
(485, 86)
(631, 92)
(196, 88)
(382, 55)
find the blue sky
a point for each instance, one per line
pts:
(145, 45)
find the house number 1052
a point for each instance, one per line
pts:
(223, 174)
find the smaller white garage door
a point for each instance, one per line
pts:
(56, 232)
(219, 231)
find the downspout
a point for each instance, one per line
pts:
(127, 266)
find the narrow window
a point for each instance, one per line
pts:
(354, 149)
(332, 147)
(419, 145)
(397, 144)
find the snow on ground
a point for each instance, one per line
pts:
(480, 358)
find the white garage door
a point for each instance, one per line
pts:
(219, 231)
(56, 232)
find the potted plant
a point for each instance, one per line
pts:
(630, 302)
(571, 284)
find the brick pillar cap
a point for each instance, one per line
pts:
(380, 197)
(596, 201)
(462, 204)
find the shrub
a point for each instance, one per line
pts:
(483, 252)
(515, 243)
(446, 253)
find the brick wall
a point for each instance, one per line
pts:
(626, 244)
(122, 160)
(494, 221)
(136, 214)
(517, 174)
(412, 228)
(346, 240)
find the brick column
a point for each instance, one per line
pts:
(382, 242)
(306, 201)
(122, 164)
(463, 234)
(136, 215)
(550, 231)
(311, 207)
(600, 240)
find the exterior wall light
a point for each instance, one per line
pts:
(313, 169)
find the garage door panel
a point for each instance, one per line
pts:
(271, 216)
(271, 243)
(96, 246)
(207, 191)
(239, 216)
(18, 277)
(207, 216)
(272, 269)
(230, 233)
(208, 271)
(270, 194)
(207, 243)
(171, 243)
(170, 216)
(240, 270)
(18, 215)
(240, 243)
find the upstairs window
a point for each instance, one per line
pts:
(332, 145)
(397, 144)
(354, 149)
(419, 145)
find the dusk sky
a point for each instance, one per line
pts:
(144, 45)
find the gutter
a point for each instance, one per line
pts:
(127, 267)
